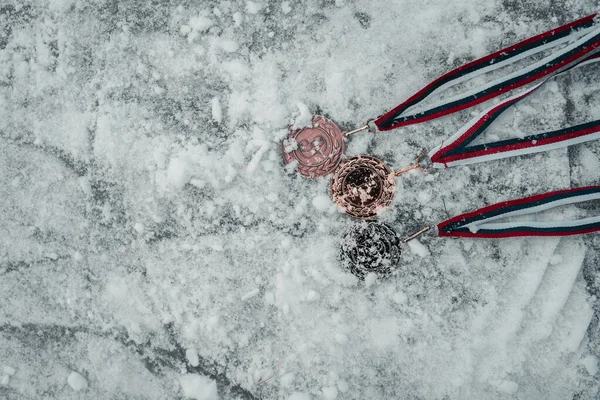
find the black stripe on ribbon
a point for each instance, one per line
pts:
(461, 146)
(531, 231)
(468, 101)
(456, 226)
(524, 140)
(391, 120)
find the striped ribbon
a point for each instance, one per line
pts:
(456, 150)
(582, 39)
(482, 223)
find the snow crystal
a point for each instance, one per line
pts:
(299, 396)
(198, 387)
(139, 227)
(591, 364)
(4, 380)
(303, 118)
(253, 7)
(179, 172)
(370, 279)
(191, 355)
(200, 23)
(217, 112)
(237, 18)
(323, 203)
(330, 393)
(400, 297)
(10, 371)
(508, 387)
(418, 248)
(343, 386)
(229, 45)
(185, 29)
(250, 294)
(77, 381)
(312, 295)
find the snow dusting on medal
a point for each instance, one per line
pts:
(318, 149)
(363, 186)
(370, 248)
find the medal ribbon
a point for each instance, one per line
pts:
(456, 150)
(582, 36)
(480, 223)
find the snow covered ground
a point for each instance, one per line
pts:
(152, 246)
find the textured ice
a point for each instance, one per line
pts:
(152, 241)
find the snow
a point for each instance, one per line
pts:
(151, 239)
(330, 393)
(323, 203)
(591, 364)
(253, 7)
(417, 248)
(200, 23)
(299, 396)
(192, 356)
(77, 381)
(198, 387)
(285, 7)
(370, 279)
(250, 294)
(312, 296)
(178, 173)
(10, 371)
(217, 112)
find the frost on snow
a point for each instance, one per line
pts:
(151, 238)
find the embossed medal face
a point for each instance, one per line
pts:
(370, 247)
(363, 186)
(318, 149)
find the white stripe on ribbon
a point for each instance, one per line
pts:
(594, 31)
(485, 224)
(493, 67)
(531, 224)
(513, 153)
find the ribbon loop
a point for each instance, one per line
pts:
(456, 150)
(585, 40)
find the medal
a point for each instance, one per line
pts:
(319, 148)
(364, 186)
(372, 247)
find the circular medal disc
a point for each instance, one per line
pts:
(363, 186)
(318, 149)
(370, 247)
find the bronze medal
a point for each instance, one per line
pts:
(363, 186)
(317, 149)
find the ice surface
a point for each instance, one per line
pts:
(152, 241)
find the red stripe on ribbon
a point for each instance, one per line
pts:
(472, 130)
(472, 235)
(476, 101)
(516, 146)
(531, 199)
